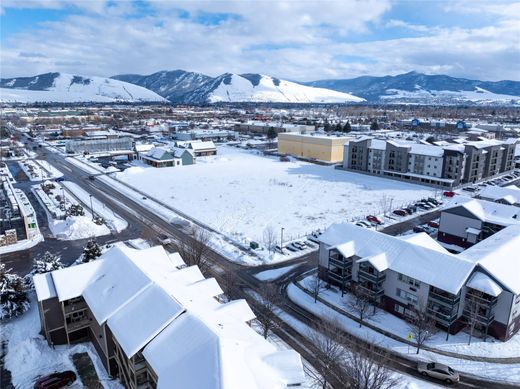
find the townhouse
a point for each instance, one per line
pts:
(414, 272)
(467, 221)
(156, 323)
(445, 166)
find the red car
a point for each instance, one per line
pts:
(56, 380)
(449, 194)
(433, 224)
(400, 212)
(374, 219)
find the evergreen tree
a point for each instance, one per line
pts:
(338, 127)
(13, 299)
(347, 128)
(48, 262)
(374, 126)
(271, 133)
(91, 251)
(326, 126)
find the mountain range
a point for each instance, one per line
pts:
(179, 86)
(69, 88)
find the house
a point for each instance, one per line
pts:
(203, 148)
(163, 157)
(467, 221)
(161, 325)
(414, 272)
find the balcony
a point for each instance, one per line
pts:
(340, 262)
(338, 277)
(442, 317)
(376, 277)
(74, 307)
(372, 293)
(76, 325)
(482, 319)
(444, 298)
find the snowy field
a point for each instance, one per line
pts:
(240, 193)
(29, 357)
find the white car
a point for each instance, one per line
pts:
(163, 239)
(439, 371)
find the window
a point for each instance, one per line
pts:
(409, 280)
(411, 298)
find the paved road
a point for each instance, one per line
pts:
(151, 224)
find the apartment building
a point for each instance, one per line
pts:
(408, 273)
(260, 127)
(467, 221)
(318, 146)
(446, 166)
(157, 323)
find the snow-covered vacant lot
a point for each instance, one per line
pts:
(240, 193)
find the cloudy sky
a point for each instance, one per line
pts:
(297, 40)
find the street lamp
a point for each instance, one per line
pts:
(91, 207)
(281, 240)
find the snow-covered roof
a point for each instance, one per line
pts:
(44, 286)
(134, 325)
(171, 314)
(195, 353)
(143, 147)
(494, 193)
(487, 211)
(408, 257)
(159, 153)
(206, 145)
(425, 240)
(71, 281)
(498, 255)
(483, 283)
(378, 261)
(346, 249)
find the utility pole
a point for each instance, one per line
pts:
(91, 207)
(281, 240)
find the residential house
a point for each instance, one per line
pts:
(503, 195)
(162, 157)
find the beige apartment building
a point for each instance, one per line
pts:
(322, 147)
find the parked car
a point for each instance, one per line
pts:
(435, 201)
(290, 247)
(418, 229)
(278, 249)
(59, 179)
(299, 245)
(470, 189)
(400, 212)
(164, 239)
(374, 220)
(449, 193)
(439, 371)
(363, 223)
(433, 224)
(91, 178)
(429, 230)
(56, 380)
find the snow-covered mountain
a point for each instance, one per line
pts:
(68, 88)
(172, 85)
(416, 87)
(180, 86)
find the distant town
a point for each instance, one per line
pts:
(258, 231)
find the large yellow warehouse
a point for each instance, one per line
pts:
(328, 148)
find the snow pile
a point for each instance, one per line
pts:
(116, 222)
(77, 227)
(269, 89)
(65, 89)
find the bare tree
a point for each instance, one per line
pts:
(316, 285)
(422, 326)
(269, 238)
(472, 306)
(366, 368)
(329, 340)
(195, 249)
(359, 302)
(386, 204)
(270, 299)
(230, 283)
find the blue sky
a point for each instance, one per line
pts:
(298, 40)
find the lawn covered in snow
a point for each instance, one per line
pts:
(240, 193)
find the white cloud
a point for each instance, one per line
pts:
(299, 40)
